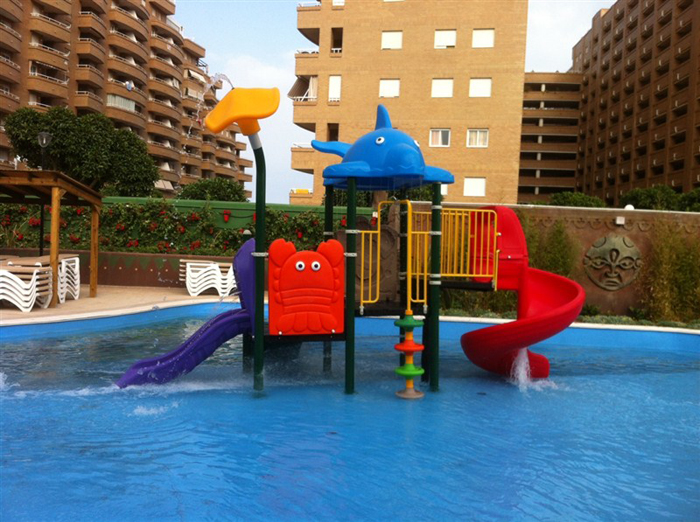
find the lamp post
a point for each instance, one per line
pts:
(44, 139)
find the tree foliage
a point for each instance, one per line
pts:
(87, 148)
(217, 189)
(364, 198)
(660, 197)
(575, 199)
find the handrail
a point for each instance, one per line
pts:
(9, 62)
(93, 42)
(124, 35)
(123, 84)
(129, 14)
(50, 78)
(65, 54)
(38, 104)
(51, 20)
(90, 68)
(9, 94)
(90, 95)
(93, 15)
(124, 60)
(10, 30)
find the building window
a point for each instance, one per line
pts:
(443, 189)
(334, 83)
(483, 38)
(389, 88)
(480, 88)
(439, 137)
(477, 138)
(445, 38)
(392, 39)
(475, 187)
(442, 87)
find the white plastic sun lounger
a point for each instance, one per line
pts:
(68, 272)
(200, 276)
(26, 286)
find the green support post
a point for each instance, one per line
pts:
(260, 254)
(403, 265)
(328, 234)
(433, 318)
(351, 258)
(247, 353)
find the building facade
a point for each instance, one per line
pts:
(549, 142)
(640, 98)
(450, 74)
(126, 59)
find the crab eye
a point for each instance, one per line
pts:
(417, 144)
(380, 140)
(315, 266)
(300, 266)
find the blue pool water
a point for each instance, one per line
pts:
(613, 435)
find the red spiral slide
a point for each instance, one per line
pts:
(547, 304)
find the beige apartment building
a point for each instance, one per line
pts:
(640, 98)
(549, 147)
(450, 73)
(126, 59)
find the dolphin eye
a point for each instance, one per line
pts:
(300, 266)
(315, 266)
(380, 140)
(417, 144)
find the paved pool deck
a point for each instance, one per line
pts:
(110, 300)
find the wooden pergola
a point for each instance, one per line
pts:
(32, 187)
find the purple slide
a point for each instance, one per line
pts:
(205, 341)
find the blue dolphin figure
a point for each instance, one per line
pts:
(384, 159)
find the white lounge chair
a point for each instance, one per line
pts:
(68, 272)
(200, 276)
(26, 286)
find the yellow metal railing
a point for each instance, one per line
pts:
(468, 251)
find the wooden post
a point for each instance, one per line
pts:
(55, 240)
(94, 249)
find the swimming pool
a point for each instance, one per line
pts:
(613, 435)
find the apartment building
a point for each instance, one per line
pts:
(640, 98)
(450, 74)
(126, 59)
(549, 141)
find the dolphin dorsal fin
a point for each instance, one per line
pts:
(331, 147)
(383, 120)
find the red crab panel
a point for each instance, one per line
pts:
(306, 289)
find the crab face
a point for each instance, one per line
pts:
(306, 289)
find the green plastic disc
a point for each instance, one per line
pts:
(409, 370)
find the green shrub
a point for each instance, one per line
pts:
(552, 250)
(217, 189)
(575, 199)
(671, 277)
(660, 197)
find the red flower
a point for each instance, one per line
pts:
(255, 217)
(47, 238)
(181, 229)
(373, 221)
(315, 222)
(211, 231)
(6, 221)
(193, 217)
(343, 222)
(34, 222)
(64, 223)
(195, 245)
(74, 239)
(153, 226)
(163, 212)
(79, 210)
(120, 227)
(299, 234)
(19, 237)
(22, 210)
(286, 216)
(240, 230)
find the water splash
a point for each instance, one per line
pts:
(213, 79)
(143, 411)
(520, 375)
(4, 385)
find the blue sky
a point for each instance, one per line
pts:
(252, 42)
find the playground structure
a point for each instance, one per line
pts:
(312, 295)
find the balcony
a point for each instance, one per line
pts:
(191, 141)
(164, 88)
(162, 129)
(89, 47)
(132, 70)
(133, 119)
(190, 123)
(225, 154)
(242, 162)
(682, 49)
(158, 43)
(88, 101)
(48, 55)
(192, 160)
(170, 29)
(12, 9)
(8, 101)
(11, 38)
(163, 151)
(663, 38)
(132, 46)
(138, 6)
(9, 71)
(49, 27)
(121, 89)
(90, 22)
(566, 130)
(63, 6)
(542, 164)
(88, 74)
(133, 22)
(681, 78)
(163, 109)
(161, 65)
(47, 85)
(100, 6)
(167, 6)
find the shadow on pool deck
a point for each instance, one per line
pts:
(110, 300)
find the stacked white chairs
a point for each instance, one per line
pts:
(200, 276)
(68, 273)
(25, 287)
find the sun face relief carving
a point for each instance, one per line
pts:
(613, 262)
